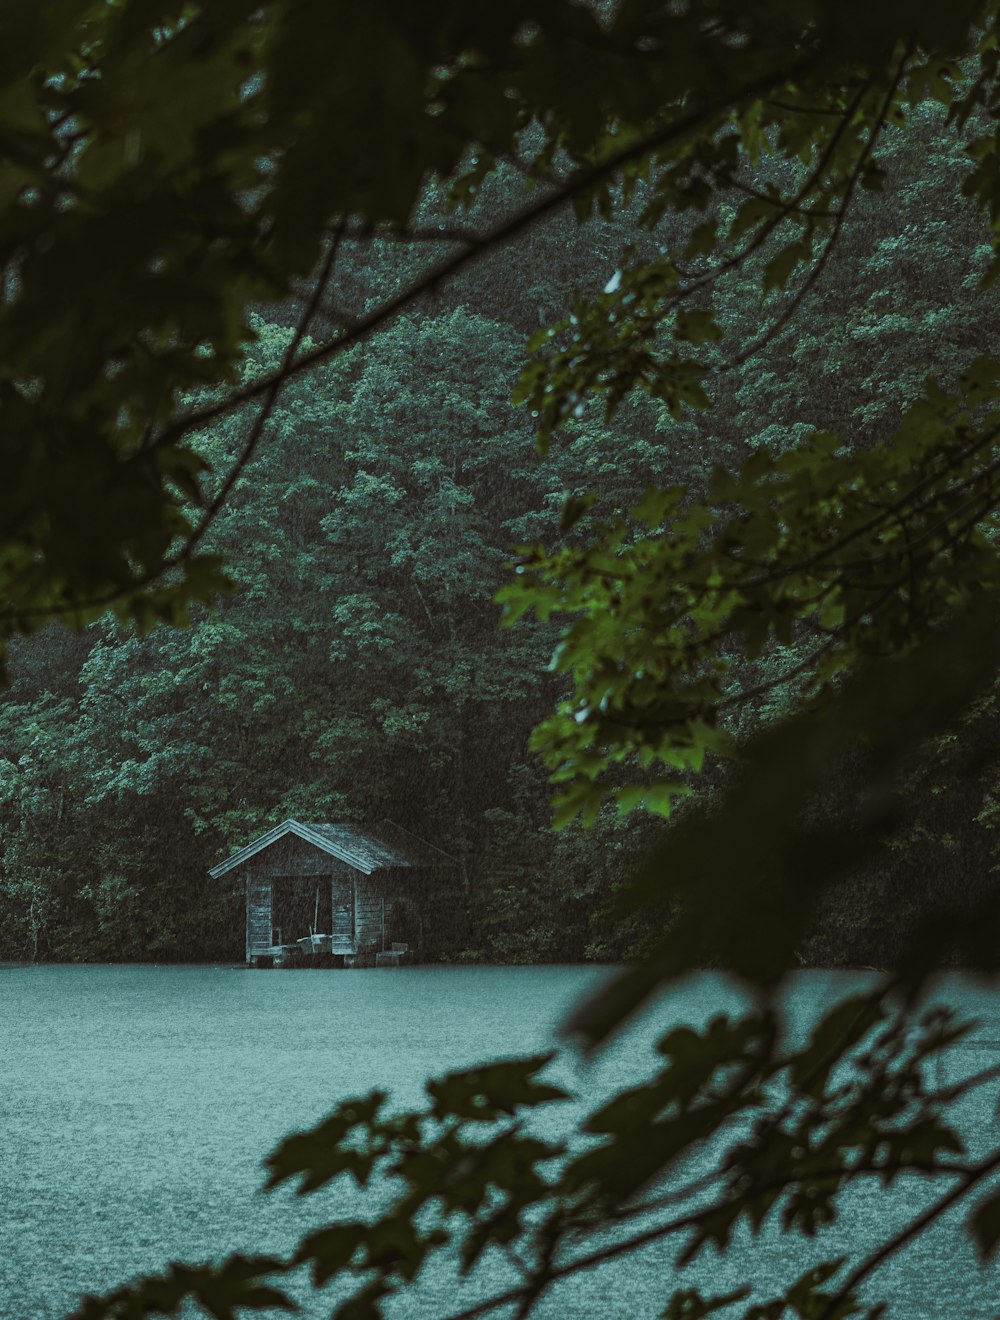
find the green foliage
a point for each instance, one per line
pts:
(358, 672)
(223, 1292)
(832, 582)
(130, 132)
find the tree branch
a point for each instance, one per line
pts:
(578, 184)
(812, 278)
(912, 1230)
(270, 399)
(512, 1296)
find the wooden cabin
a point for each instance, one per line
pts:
(340, 895)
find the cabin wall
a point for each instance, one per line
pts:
(409, 915)
(260, 903)
(369, 893)
(367, 913)
(342, 904)
(380, 899)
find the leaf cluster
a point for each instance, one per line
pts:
(208, 156)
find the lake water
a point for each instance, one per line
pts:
(136, 1105)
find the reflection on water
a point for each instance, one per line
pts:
(136, 1104)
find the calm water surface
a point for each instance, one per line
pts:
(136, 1104)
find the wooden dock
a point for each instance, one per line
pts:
(317, 951)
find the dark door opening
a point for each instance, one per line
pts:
(301, 907)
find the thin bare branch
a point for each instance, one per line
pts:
(840, 215)
(270, 399)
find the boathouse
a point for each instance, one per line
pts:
(341, 894)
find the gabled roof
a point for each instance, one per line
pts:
(378, 848)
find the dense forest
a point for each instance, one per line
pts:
(358, 669)
(469, 414)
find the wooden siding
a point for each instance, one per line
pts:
(376, 895)
(368, 912)
(259, 908)
(342, 902)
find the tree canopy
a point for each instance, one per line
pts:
(829, 586)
